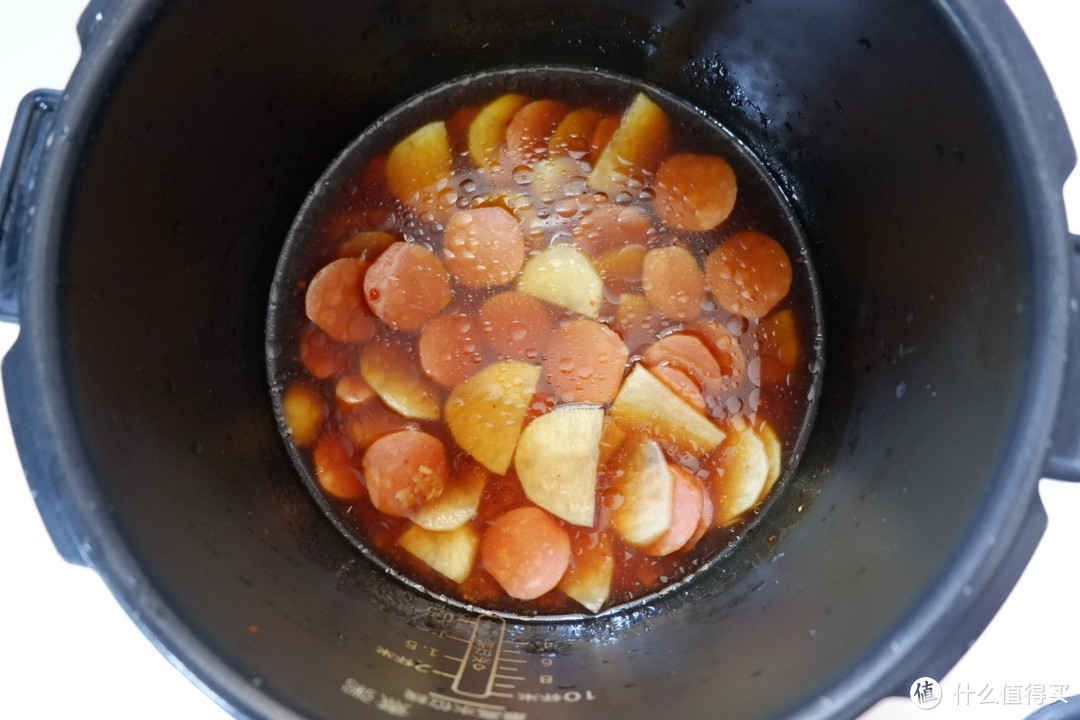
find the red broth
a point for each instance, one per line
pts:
(545, 350)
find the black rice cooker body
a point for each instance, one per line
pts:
(144, 212)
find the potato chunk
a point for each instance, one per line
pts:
(304, 411)
(556, 461)
(451, 553)
(639, 145)
(485, 412)
(647, 489)
(397, 380)
(740, 470)
(563, 275)
(588, 579)
(774, 452)
(488, 130)
(419, 167)
(645, 403)
(457, 504)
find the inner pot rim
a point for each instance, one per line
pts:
(365, 145)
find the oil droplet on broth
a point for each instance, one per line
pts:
(518, 330)
(566, 208)
(522, 174)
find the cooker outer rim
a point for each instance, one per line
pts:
(60, 470)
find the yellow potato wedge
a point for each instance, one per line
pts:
(773, 451)
(647, 489)
(398, 382)
(486, 411)
(487, 132)
(456, 505)
(556, 461)
(419, 166)
(450, 553)
(588, 579)
(645, 403)
(304, 410)
(639, 145)
(563, 275)
(739, 472)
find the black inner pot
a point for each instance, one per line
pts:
(207, 126)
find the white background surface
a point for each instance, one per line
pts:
(68, 651)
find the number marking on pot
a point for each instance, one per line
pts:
(487, 666)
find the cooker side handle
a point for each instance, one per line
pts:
(92, 18)
(22, 159)
(56, 501)
(26, 145)
(1063, 459)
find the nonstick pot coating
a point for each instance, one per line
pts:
(211, 124)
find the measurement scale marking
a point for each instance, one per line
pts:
(479, 666)
(472, 703)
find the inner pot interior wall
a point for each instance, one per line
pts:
(226, 113)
